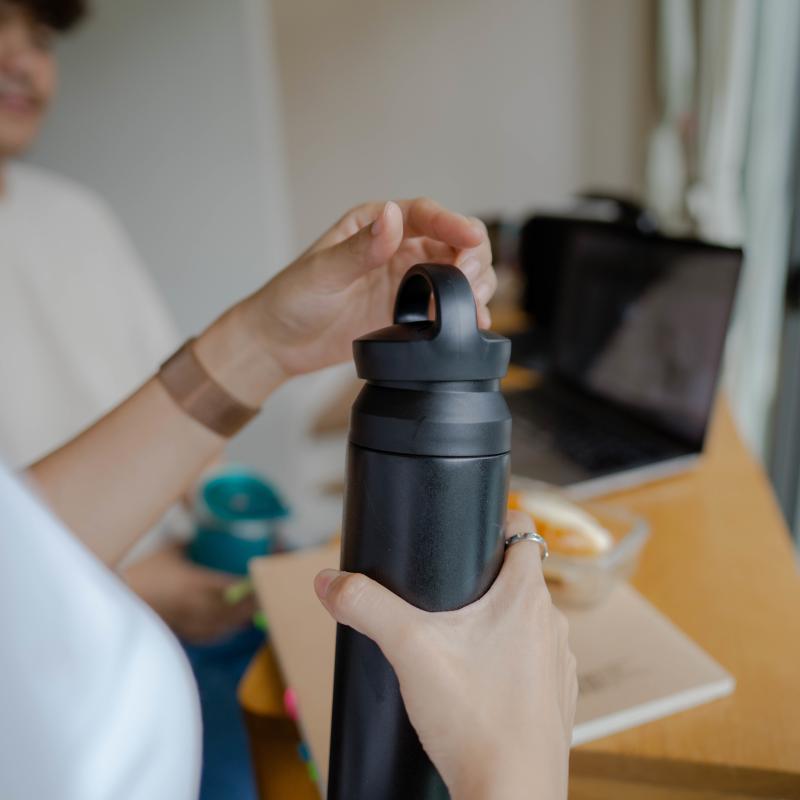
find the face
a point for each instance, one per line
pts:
(27, 78)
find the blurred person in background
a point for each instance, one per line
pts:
(82, 325)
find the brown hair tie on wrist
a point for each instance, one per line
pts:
(200, 396)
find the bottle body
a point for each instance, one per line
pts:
(430, 529)
(425, 507)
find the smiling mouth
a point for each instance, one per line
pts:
(17, 100)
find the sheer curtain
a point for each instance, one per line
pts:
(736, 140)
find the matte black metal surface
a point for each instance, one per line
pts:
(452, 420)
(431, 530)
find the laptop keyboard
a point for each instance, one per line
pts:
(578, 434)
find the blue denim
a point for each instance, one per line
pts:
(227, 769)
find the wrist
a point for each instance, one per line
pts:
(238, 358)
(489, 781)
(506, 771)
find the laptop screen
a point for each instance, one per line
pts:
(642, 320)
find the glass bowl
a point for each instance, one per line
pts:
(586, 580)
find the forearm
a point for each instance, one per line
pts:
(513, 769)
(113, 482)
(520, 783)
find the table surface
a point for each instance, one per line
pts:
(721, 565)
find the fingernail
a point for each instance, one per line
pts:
(477, 225)
(380, 223)
(471, 267)
(324, 580)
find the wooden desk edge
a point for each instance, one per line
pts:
(622, 768)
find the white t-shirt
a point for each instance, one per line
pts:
(97, 700)
(81, 323)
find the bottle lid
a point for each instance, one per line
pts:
(450, 347)
(237, 495)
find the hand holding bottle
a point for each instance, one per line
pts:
(490, 688)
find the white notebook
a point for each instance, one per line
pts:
(634, 665)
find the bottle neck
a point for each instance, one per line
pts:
(440, 386)
(452, 418)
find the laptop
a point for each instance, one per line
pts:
(634, 345)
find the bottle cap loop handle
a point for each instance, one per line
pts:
(448, 348)
(455, 319)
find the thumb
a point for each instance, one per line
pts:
(363, 604)
(336, 267)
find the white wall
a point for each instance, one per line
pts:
(486, 106)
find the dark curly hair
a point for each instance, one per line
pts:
(60, 15)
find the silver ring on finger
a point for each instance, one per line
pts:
(529, 536)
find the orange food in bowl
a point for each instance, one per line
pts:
(567, 529)
(514, 501)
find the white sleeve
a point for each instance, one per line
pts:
(97, 701)
(157, 335)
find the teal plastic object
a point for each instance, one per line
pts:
(237, 515)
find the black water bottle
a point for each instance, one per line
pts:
(427, 486)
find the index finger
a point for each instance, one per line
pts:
(425, 217)
(421, 217)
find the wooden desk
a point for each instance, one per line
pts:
(721, 565)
